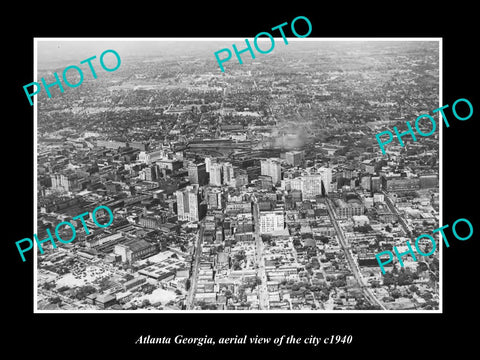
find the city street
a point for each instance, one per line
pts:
(261, 273)
(193, 278)
(351, 262)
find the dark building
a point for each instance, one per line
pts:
(197, 174)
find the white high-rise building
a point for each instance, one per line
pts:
(312, 182)
(271, 221)
(188, 204)
(326, 177)
(208, 162)
(296, 184)
(272, 168)
(228, 174)
(216, 175)
(312, 186)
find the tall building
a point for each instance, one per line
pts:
(208, 163)
(216, 175)
(294, 158)
(65, 182)
(271, 221)
(271, 168)
(228, 174)
(312, 186)
(326, 177)
(376, 185)
(241, 179)
(189, 207)
(197, 174)
(365, 182)
(150, 173)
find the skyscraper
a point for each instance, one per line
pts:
(65, 181)
(241, 179)
(197, 174)
(152, 172)
(326, 174)
(216, 175)
(376, 185)
(365, 182)
(271, 168)
(228, 174)
(189, 207)
(208, 162)
(312, 186)
(294, 158)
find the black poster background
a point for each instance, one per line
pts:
(95, 335)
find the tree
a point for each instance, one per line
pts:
(324, 239)
(84, 291)
(324, 295)
(266, 238)
(422, 267)
(56, 300)
(413, 288)
(363, 229)
(187, 284)
(388, 279)
(339, 283)
(405, 278)
(427, 296)
(240, 255)
(396, 294)
(49, 285)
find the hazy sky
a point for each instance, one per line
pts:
(64, 52)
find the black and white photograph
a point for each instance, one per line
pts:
(213, 180)
(260, 187)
